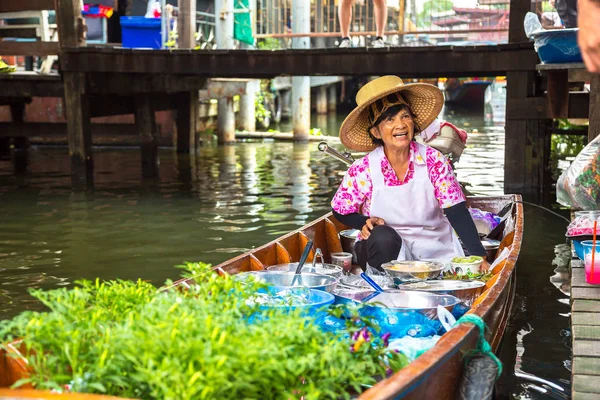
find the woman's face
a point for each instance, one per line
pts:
(396, 131)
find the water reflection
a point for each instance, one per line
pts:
(228, 199)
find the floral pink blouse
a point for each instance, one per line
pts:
(355, 192)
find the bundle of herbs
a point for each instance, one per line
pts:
(129, 339)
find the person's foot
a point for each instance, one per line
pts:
(345, 43)
(378, 43)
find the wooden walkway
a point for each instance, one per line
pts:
(585, 330)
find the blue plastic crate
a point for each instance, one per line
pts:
(141, 32)
(558, 46)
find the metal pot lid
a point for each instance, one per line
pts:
(490, 244)
(350, 233)
(442, 285)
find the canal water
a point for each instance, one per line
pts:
(231, 199)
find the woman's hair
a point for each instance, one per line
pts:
(389, 113)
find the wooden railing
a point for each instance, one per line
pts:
(70, 27)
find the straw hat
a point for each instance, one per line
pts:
(424, 100)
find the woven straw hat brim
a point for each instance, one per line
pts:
(425, 101)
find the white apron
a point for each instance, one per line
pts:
(414, 212)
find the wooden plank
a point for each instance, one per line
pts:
(586, 383)
(586, 327)
(578, 279)
(25, 5)
(529, 108)
(586, 306)
(128, 83)
(404, 61)
(586, 365)
(71, 27)
(28, 48)
(586, 348)
(579, 75)
(12, 32)
(589, 293)
(594, 126)
(553, 66)
(585, 396)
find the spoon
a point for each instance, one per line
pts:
(303, 258)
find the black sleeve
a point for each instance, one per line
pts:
(463, 224)
(354, 220)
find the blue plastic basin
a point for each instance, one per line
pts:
(558, 46)
(141, 32)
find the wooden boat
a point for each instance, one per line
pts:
(436, 373)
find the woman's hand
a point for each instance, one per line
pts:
(485, 266)
(369, 225)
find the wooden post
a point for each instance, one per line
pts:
(71, 26)
(518, 9)
(187, 24)
(187, 115)
(558, 93)
(78, 130)
(146, 126)
(19, 144)
(71, 33)
(594, 127)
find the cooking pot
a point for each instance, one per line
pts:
(465, 290)
(491, 248)
(348, 239)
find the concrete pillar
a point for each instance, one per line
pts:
(332, 98)
(224, 39)
(301, 84)
(247, 112)
(226, 121)
(224, 24)
(286, 104)
(322, 100)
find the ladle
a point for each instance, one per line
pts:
(303, 258)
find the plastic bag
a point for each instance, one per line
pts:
(532, 25)
(485, 221)
(579, 185)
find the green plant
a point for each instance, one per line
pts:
(268, 44)
(207, 341)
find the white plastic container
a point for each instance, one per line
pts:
(464, 267)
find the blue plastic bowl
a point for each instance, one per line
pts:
(319, 301)
(578, 248)
(558, 46)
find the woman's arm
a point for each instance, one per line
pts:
(463, 224)
(354, 220)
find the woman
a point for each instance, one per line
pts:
(402, 196)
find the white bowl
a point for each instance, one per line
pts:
(464, 267)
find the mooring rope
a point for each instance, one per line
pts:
(483, 347)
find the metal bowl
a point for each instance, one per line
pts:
(491, 248)
(323, 269)
(467, 290)
(412, 271)
(284, 279)
(357, 282)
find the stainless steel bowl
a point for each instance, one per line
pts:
(357, 282)
(412, 271)
(491, 248)
(467, 290)
(284, 279)
(348, 239)
(323, 269)
(413, 300)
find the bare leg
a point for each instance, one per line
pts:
(380, 9)
(345, 16)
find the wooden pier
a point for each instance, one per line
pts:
(585, 331)
(101, 80)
